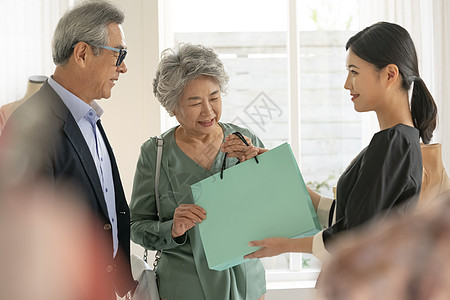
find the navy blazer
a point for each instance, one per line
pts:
(55, 149)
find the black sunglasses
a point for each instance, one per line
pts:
(120, 58)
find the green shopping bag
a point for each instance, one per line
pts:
(253, 201)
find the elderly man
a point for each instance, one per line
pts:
(56, 136)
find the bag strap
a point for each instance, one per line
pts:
(160, 143)
(224, 163)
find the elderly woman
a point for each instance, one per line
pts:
(188, 84)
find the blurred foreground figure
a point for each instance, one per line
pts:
(48, 248)
(406, 258)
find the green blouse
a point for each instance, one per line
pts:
(183, 270)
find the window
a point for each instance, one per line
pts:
(266, 91)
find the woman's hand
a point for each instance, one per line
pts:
(269, 247)
(185, 217)
(236, 148)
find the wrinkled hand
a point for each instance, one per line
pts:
(236, 148)
(269, 247)
(185, 217)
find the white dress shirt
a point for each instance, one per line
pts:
(86, 117)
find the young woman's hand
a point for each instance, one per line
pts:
(269, 247)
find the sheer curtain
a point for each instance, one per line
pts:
(441, 24)
(428, 23)
(28, 26)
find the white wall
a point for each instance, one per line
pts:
(132, 114)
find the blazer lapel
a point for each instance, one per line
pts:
(76, 138)
(77, 141)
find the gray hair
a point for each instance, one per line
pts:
(86, 22)
(180, 66)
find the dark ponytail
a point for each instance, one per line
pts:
(423, 110)
(386, 43)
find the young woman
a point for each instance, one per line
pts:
(382, 67)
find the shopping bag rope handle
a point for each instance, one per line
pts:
(241, 137)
